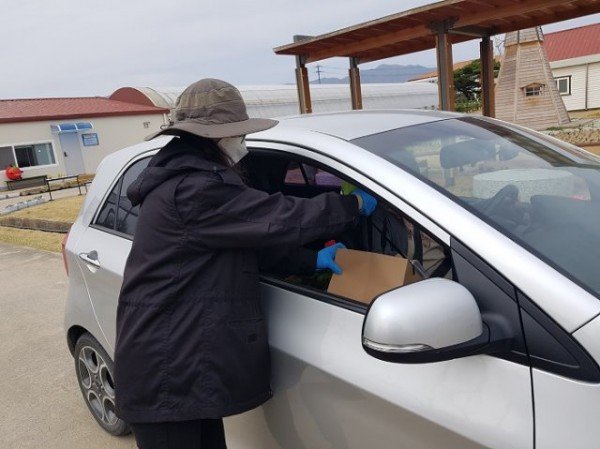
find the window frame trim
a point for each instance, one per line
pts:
(112, 232)
(533, 90)
(111, 186)
(569, 80)
(317, 295)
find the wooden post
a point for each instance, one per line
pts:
(443, 48)
(355, 88)
(302, 83)
(303, 89)
(488, 96)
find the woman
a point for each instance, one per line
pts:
(191, 342)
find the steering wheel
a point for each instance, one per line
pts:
(503, 208)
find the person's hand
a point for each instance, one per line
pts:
(366, 202)
(326, 258)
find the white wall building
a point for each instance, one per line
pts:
(574, 57)
(69, 136)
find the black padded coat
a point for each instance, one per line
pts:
(191, 340)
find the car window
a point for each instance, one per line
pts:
(295, 174)
(305, 174)
(388, 231)
(543, 195)
(127, 214)
(108, 212)
(117, 212)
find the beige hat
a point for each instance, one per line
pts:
(215, 109)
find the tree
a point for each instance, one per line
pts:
(467, 79)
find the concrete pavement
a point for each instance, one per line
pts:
(40, 402)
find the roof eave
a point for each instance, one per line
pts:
(44, 118)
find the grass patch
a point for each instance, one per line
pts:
(594, 113)
(48, 241)
(62, 209)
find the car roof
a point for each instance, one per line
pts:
(350, 125)
(346, 125)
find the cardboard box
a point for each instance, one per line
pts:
(367, 275)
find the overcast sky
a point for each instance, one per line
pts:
(83, 47)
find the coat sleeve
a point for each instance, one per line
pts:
(220, 211)
(283, 260)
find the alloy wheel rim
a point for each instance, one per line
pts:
(96, 381)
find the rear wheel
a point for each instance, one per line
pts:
(94, 370)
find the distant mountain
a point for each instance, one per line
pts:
(384, 73)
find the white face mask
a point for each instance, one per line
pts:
(234, 147)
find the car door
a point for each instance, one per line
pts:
(103, 249)
(565, 379)
(329, 393)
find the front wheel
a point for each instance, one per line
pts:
(94, 370)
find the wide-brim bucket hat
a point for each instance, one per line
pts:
(214, 109)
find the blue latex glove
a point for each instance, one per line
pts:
(368, 202)
(326, 258)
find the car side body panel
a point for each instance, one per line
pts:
(330, 393)
(104, 282)
(568, 411)
(79, 310)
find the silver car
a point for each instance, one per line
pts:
(499, 344)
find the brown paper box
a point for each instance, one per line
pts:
(367, 275)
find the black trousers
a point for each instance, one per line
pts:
(197, 434)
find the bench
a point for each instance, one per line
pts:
(34, 181)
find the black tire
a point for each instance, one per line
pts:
(94, 370)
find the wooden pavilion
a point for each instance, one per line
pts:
(438, 26)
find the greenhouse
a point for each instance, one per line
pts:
(281, 100)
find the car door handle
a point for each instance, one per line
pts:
(90, 258)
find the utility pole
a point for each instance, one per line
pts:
(319, 73)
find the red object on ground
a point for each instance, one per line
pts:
(13, 173)
(330, 243)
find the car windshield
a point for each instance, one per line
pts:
(540, 192)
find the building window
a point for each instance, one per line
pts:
(533, 90)
(6, 157)
(563, 84)
(32, 155)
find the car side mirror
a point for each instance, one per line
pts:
(428, 321)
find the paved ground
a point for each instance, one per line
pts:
(40, 402)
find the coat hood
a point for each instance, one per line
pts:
(172, 160)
